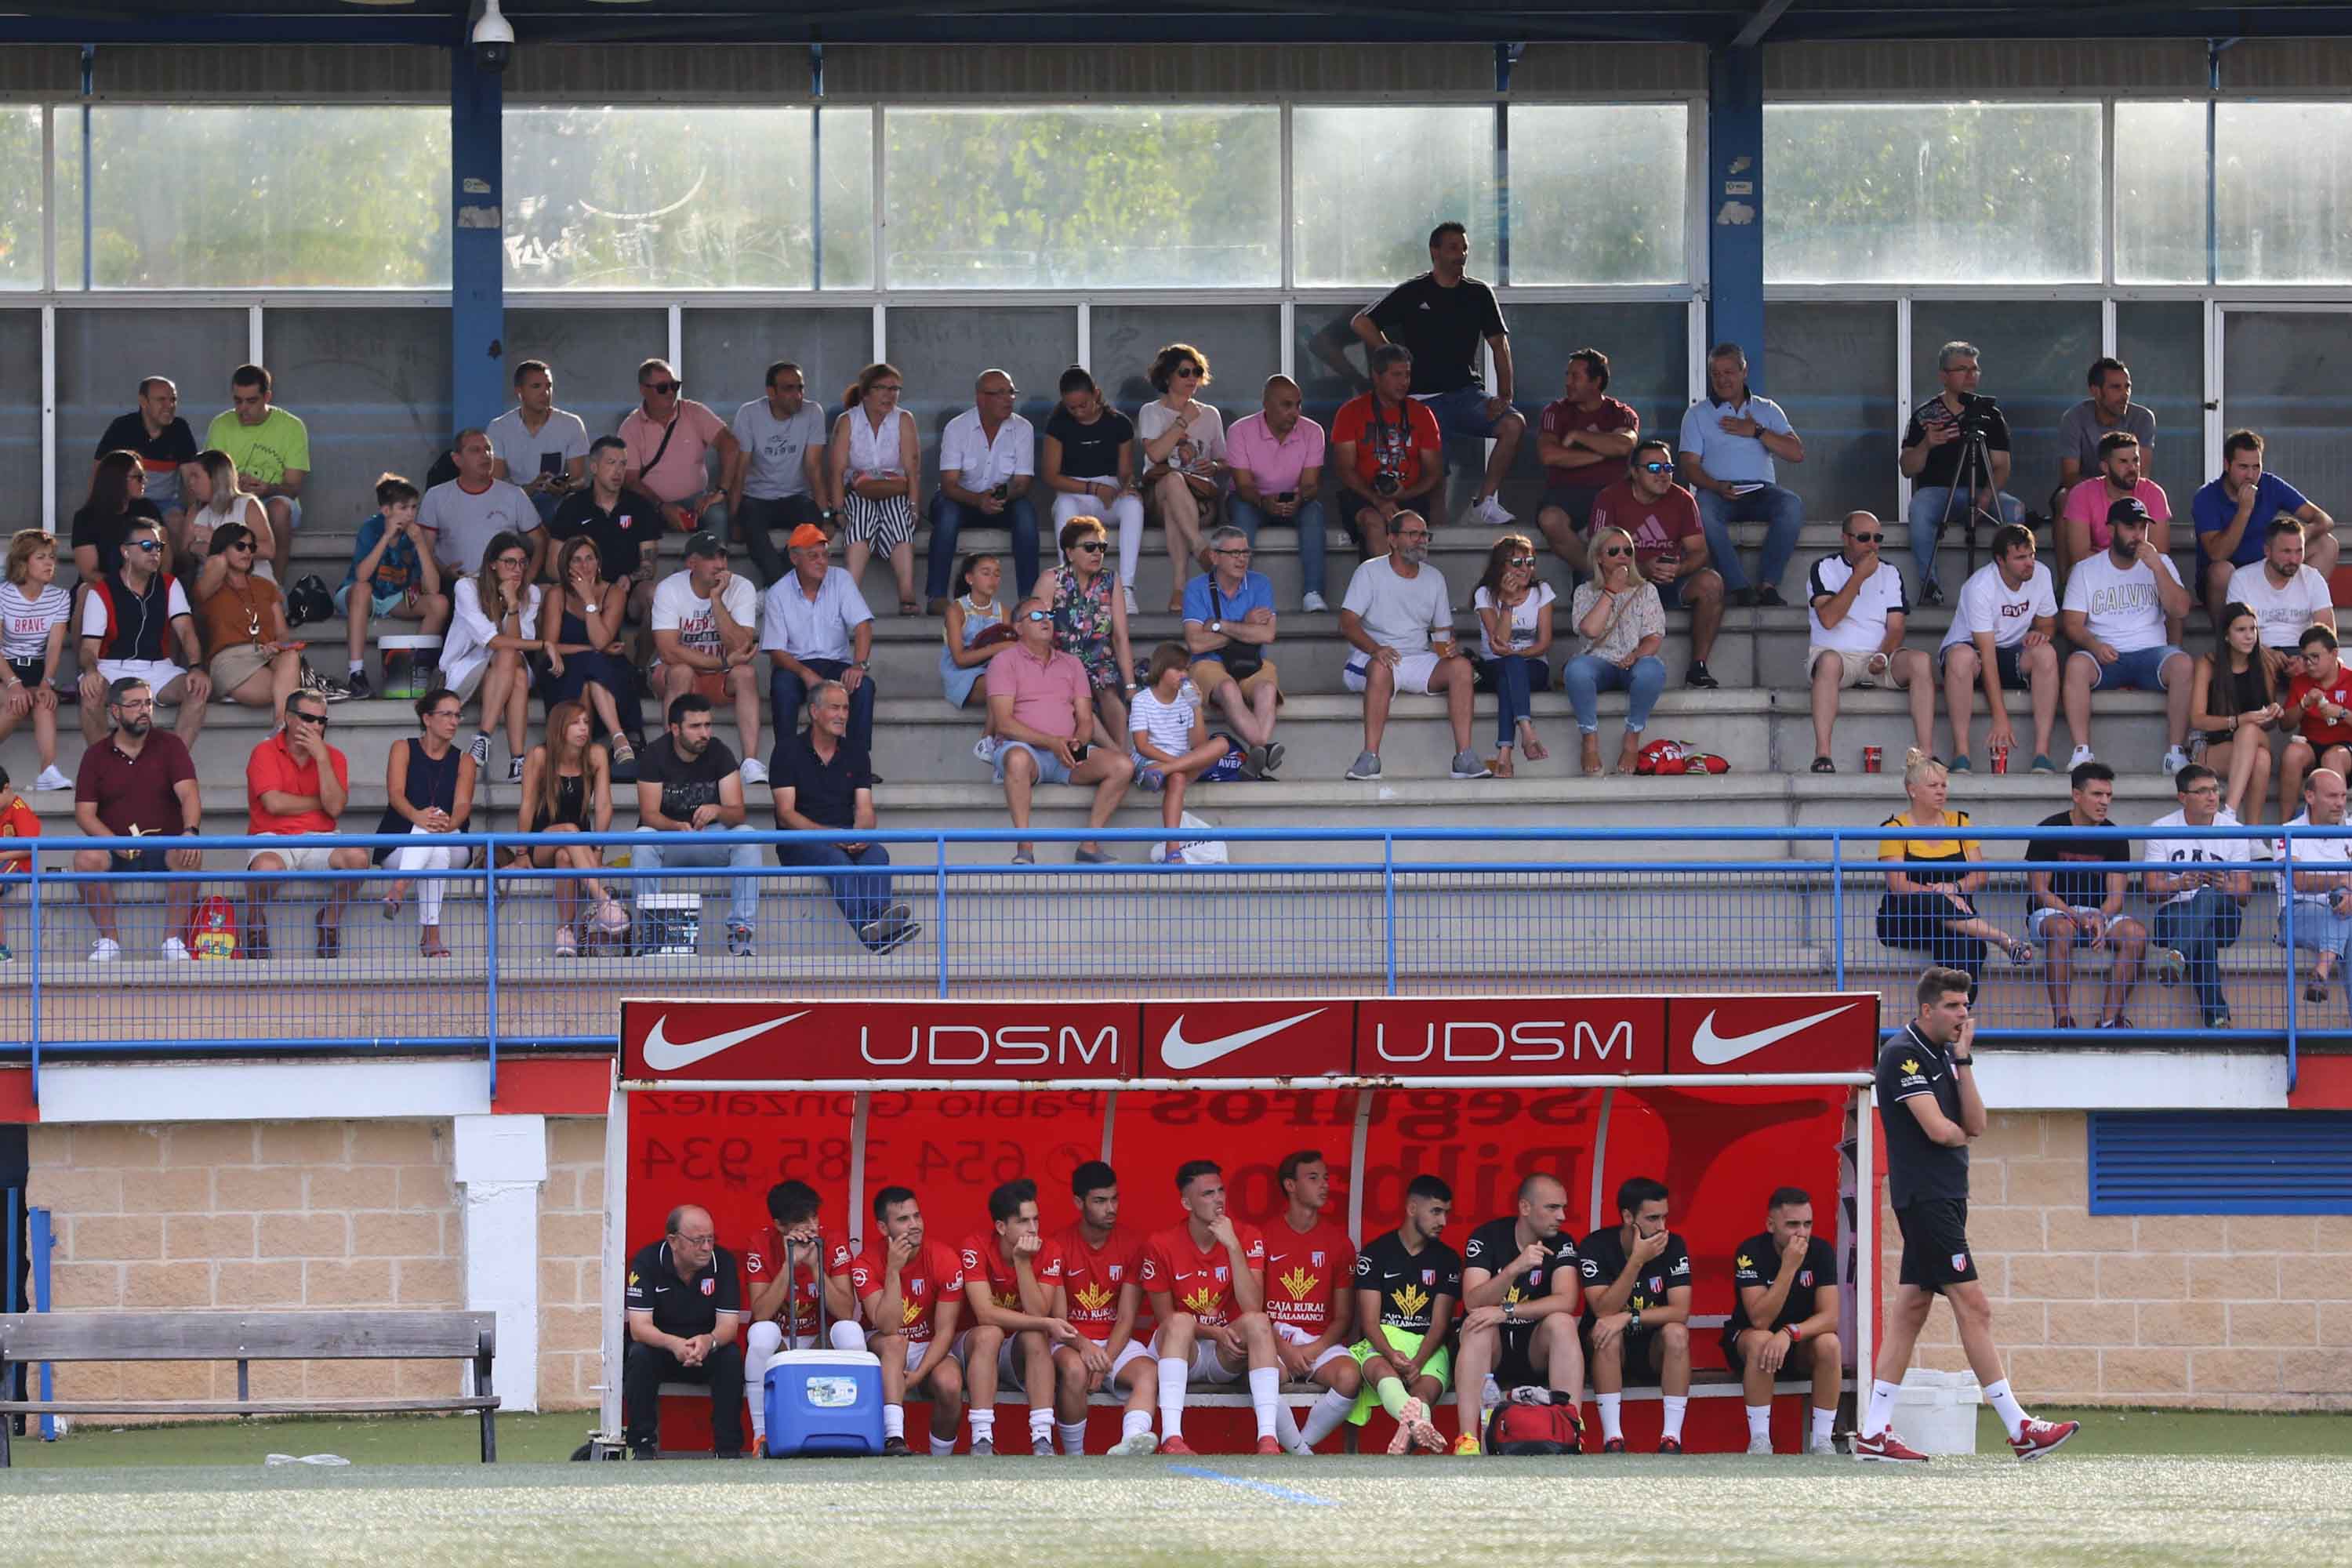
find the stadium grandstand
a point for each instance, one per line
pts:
(723, 613)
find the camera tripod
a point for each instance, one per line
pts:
(1971, 476)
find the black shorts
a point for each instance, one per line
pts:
(2009, 660)
(1515, 1365)
(31, 671)
(1936, 1243)
(1640, 1373)
(1731, 1356)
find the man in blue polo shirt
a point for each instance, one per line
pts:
(2233, 518)
(1729, 441)
(1229, 627)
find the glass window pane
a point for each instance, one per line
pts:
(1648, 348)
(374, 387)
(2159, 192)
(664, 198)
(314, 197)
(1244, 344)
(1981, 193)
(103, 355)
(68, 186)
(846, 161)
(1598, 192)
(1136, 197)
(2282, 375)
(20, 196)
(1369, 184)
(593, 355)
(727, 353)
(941, 351)
(2164, 344)
(20, 418)
(2035, 357)
(2284, 174)
(1831, 367)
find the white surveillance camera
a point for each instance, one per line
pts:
(493, 39)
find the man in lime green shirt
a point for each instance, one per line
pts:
(271, 449)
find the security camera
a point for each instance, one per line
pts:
(493, 39)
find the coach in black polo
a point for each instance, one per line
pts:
(1929, 1108)
(685, 1314)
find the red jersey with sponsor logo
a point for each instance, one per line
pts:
(1093, 1277)
(984, 1259)
(933, 1275)
(1200, 1279)
(764, 1260)
(1303, 1272)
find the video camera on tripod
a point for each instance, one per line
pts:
(1972, 473)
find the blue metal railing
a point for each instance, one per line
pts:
(1391, 909)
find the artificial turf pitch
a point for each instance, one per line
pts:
(2279, 1490)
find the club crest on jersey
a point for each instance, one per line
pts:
(1959, 1260)
(1411, 1299)
(1315, 1259)
(1657, 1283)
(1221, 1273)
(1804, 1276)
(1429, 1276)
(1116, 1270)
(1300, 1283)
(710, 1285)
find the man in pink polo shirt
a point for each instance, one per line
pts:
(2083, 527)
(1041, 709)
(667, 436)
(1277, 459)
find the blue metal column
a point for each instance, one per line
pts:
(1735, 203)
(478, 391)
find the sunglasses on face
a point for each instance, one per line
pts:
(318, 719)
(1522, 560)
(149, 545)
(1615, 549)
(1097, 546)
(1189, 371)
(1038, 615)
(661, 388)
(1657, 468)
(1865, 538)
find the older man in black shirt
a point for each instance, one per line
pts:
(821, 784)
(685, 1317)
(1929, 1107)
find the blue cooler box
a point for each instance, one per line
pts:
(823, 1402)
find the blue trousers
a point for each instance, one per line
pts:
(1927, 517)
(1586, 677)
(950, 518)
(862, 895)
(1512, 677)
(2200, 926)
(708, 849)
(1783, 510)
(1311, 540)
(787, 692)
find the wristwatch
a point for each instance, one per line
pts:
(1218, 627)
(1796, 1334)
(1633, 1325)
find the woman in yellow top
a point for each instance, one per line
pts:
(1928, 881)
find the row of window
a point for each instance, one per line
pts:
(1173, 196)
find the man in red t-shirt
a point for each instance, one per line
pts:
(911, 1290)
(297, 784)
(1387, 452)
(1583, 438)
(1013, 1331)
(1091, 1273)
(1206, 1280)
(778, 1302)
(1314, 1320)
(1669, 545)
(2319, 707)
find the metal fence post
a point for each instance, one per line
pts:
(42, 1241)
(490, 954)
(33, 1025)
(1388, 905)
(1837, 907)
(2286, 935)
(940, 925)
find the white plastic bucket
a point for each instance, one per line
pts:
(1936, 1411)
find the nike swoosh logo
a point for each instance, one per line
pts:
(665, 1054)
(1182, 1054)
(1715, 1050)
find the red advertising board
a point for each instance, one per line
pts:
(1401, 1038)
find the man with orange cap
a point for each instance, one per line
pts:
(814, 626)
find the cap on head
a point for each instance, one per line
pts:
(2128, 510)
(705, 546)
(807, 536)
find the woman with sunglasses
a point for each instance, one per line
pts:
(1184, 461)
(493, 623)
(428, 785)
(1090, 622)
(1514, 606)
(243, 617)
(580, 625)
(1618, 615)
(877, 466)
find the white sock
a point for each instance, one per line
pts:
(1171, 1395)
(1325, 1417)
(358, 664)
(1265, 1396)
(941, 1446)
(1881, 1414)
(1074, 1436)
(1041, 1425)
(848, 1337)
(1612, 1425)
(983, 1424)
(1131, 1422)
(2013, 1414)
(1674, 1405)
(894, 1421)
(1759, 1422)
(1822, 1421)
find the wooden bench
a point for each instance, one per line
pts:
(246, 1338)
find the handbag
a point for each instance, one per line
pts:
(1241, 659)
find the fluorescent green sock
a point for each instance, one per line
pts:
(1393, 1395)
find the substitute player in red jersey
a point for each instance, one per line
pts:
(912, 1291)
(1308, 1257)
(1522, 1290)
(1092, 1271)
(817, 1263)
(1207, 1284)
(1929, 1107)
(1014, 1330)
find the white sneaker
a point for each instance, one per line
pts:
(105, 950)
(2082, 755)
(1759, 1445)
(1821, 1448)
(2174, 760)
(175, 950)
(1315, 604)
(52, 779)
(1136, 1443)
(1490, 512)
(1128, 590)
(755, 771)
